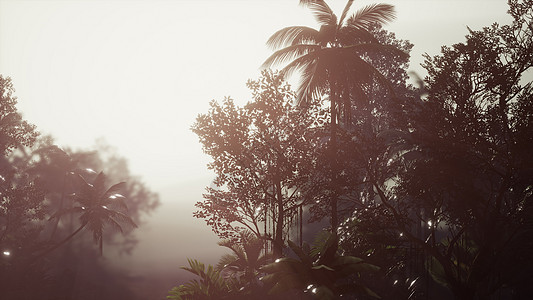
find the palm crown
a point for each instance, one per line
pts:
(332, 58)
(96, 205)
(334, 52)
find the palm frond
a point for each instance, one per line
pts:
(196, 267)
(225, 261)
(301, 63)
(313, 79)
(373, 13)
(252, 249)
(321, 10)
(349, 35)
(114, 224)
(114, 189)
(313, 84)
(99, 183)
(116, 200)
(292, 35)
(288, 54)
(84, 186)
(237, 249)
(121, 217)
(344, 13)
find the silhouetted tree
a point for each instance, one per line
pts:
(262, 155)
(455, 185)
(97, 207)
(36, 179)
(331, 61)
(14, 131)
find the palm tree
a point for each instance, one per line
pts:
(331, 60)
(245, 261)
(97, 207)
(210, 286)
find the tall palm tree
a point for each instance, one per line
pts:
(331, 60)
(98, 207)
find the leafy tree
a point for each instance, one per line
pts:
(22, 207)
(36, 179)
(455, 184)
(262, 155)
(332, 62)
(14, 131)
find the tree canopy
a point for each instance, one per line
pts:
(430, 184)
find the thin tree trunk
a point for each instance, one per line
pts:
(278, 239)
(334, 167)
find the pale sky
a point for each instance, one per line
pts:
(137, 73)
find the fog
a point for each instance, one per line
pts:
(138, 75)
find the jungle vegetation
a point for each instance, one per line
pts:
(361, 185)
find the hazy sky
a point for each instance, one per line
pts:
(137, 73)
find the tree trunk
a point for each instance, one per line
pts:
(278, 239)
(334, 166)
